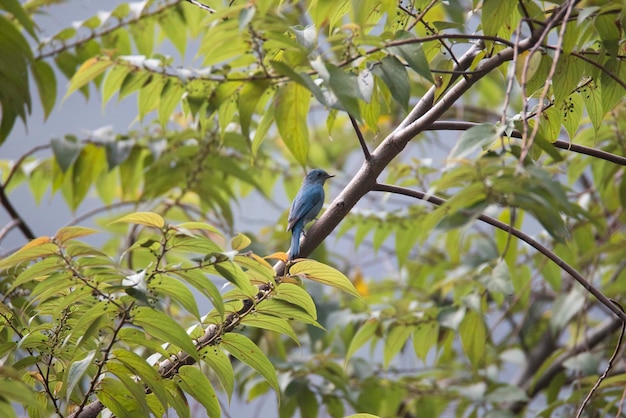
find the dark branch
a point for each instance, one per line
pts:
(519, 234)
(581, 149)
(359, 134)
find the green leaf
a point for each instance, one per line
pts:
(271, 323)
(261, 132)
(247, 352)
(169, 286)
(76, 372)
(195, 383)
(170, 97)
(221, 365)
(572, 111)
(565, 308)
(147, 373)
(249, 97)
(65, 151)
(473, 335)
(413, 55)
(301, 78)
(161, 326)
(87, 166)
(612, 91)
(39, 247)
(173, 25)
(425, 337)
(592, 96)
(119, 397)
(142, 218)
(495, 14)
(87, 72)
(71, 232)
(239, 242)
(394, 75)
(363, 335)
(203, 284)
(113, 82)
(118, 151)
(346, 88)
(46, 85)
(395, 341)
(15, 8)
(245, 16)
(234, 274)
(14, 390)
(291, 111)
(567, 75)
(324, 274)
(476, 138)
(149, 96)
(296, 295)
(286, 310)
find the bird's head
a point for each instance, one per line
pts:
(317, 176)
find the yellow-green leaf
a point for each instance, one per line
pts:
(195, 383)
(394, 342)
(363, 335)
(71, 232)
(473, 337)
(239, 242)
(142, 218)
(220, 364)
(90, 69)
(161, 326)
(291, 111)
(324, 274)
(249, 353)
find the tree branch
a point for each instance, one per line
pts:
(15, 216)
(519, 234)
(423, 115)
(359, 134)
(566, 145)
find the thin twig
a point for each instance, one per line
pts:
(609, 366)
(98, 34)
(8, 227)
(13, 213)
(20, 161)
(202, 6)
(359, 134)
(95, 211)
(528, 140)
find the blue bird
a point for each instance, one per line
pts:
(305, 207)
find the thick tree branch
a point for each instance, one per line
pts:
(423, 115)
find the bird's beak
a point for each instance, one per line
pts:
(329, 176)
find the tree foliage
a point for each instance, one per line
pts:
(492, 287)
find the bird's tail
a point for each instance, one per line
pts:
(296, 231)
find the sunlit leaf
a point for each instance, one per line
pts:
(161, 326)
(324, 274)
(292, 106)
(142, 218)
(249, 353)
(87, 72)
(194, 382)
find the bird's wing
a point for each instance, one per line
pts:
(306, 200)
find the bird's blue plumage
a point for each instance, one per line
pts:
(305, 207)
